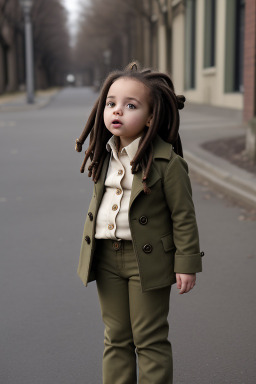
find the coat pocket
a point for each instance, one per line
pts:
(168, 243)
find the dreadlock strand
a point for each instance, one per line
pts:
(84, 162)
(149, 162)
(99, 168)
(178, 147)
(94, 169)
(146, 189)
(90, 168)
(102, 139)
(163, 78)
(87, 129)
(88, 154)
(143, 146)
(173, 132)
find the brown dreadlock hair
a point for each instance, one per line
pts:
(165, 105)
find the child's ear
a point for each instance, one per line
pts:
(149, 121)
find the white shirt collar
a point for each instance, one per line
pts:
(130, 149)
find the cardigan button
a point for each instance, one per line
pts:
(143, 220)
(87, 239)
(90, 216)
(147, 248)
(202, 253)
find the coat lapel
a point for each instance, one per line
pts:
(137, 185)
(161, 150)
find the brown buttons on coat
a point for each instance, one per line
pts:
(114, 207)
(147, 248)
(111, 226)
(90, 216)
(120, 172)
(87, 239)
(143, 220)
(118, 191)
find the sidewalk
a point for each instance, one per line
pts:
(201, 124)
(17, 101)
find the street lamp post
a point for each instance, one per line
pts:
(26, 6)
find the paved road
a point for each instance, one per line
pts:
(51, 331)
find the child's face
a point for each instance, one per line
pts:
(127, 109)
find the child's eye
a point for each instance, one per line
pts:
(131, 106)
(110, 104)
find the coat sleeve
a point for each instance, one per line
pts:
(178, 192)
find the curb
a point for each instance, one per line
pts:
(238, 187)
(40, 102)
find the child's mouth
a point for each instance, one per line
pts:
(116, 123)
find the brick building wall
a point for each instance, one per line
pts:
(250, 60)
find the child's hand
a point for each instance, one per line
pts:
(185, 281)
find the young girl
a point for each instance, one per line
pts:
(140, 235)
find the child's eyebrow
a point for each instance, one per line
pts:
(133, 98)
(127, 98)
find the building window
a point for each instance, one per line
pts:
(234, 45)
(190, 44)
(209, 33)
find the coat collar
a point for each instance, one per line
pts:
(161, 150)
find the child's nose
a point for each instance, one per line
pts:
(118, 111)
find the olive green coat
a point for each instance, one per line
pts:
(166, 241)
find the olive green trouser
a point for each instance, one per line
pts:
(134, 321)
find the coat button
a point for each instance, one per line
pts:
(202, 253)
(118, 191)
(111, 226)
(87, 239)
(147, 248)
(120, 172)
(90, 216)
(143, 220)
(114, 207)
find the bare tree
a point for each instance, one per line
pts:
(51, 42)
(106, 35)
(114, 32)
(10, 44)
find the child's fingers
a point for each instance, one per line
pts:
(178, 279)
(185, 282)
(184, 286)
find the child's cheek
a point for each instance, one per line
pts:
(105, 117)
(134, 120)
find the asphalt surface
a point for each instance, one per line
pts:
(51, 330)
